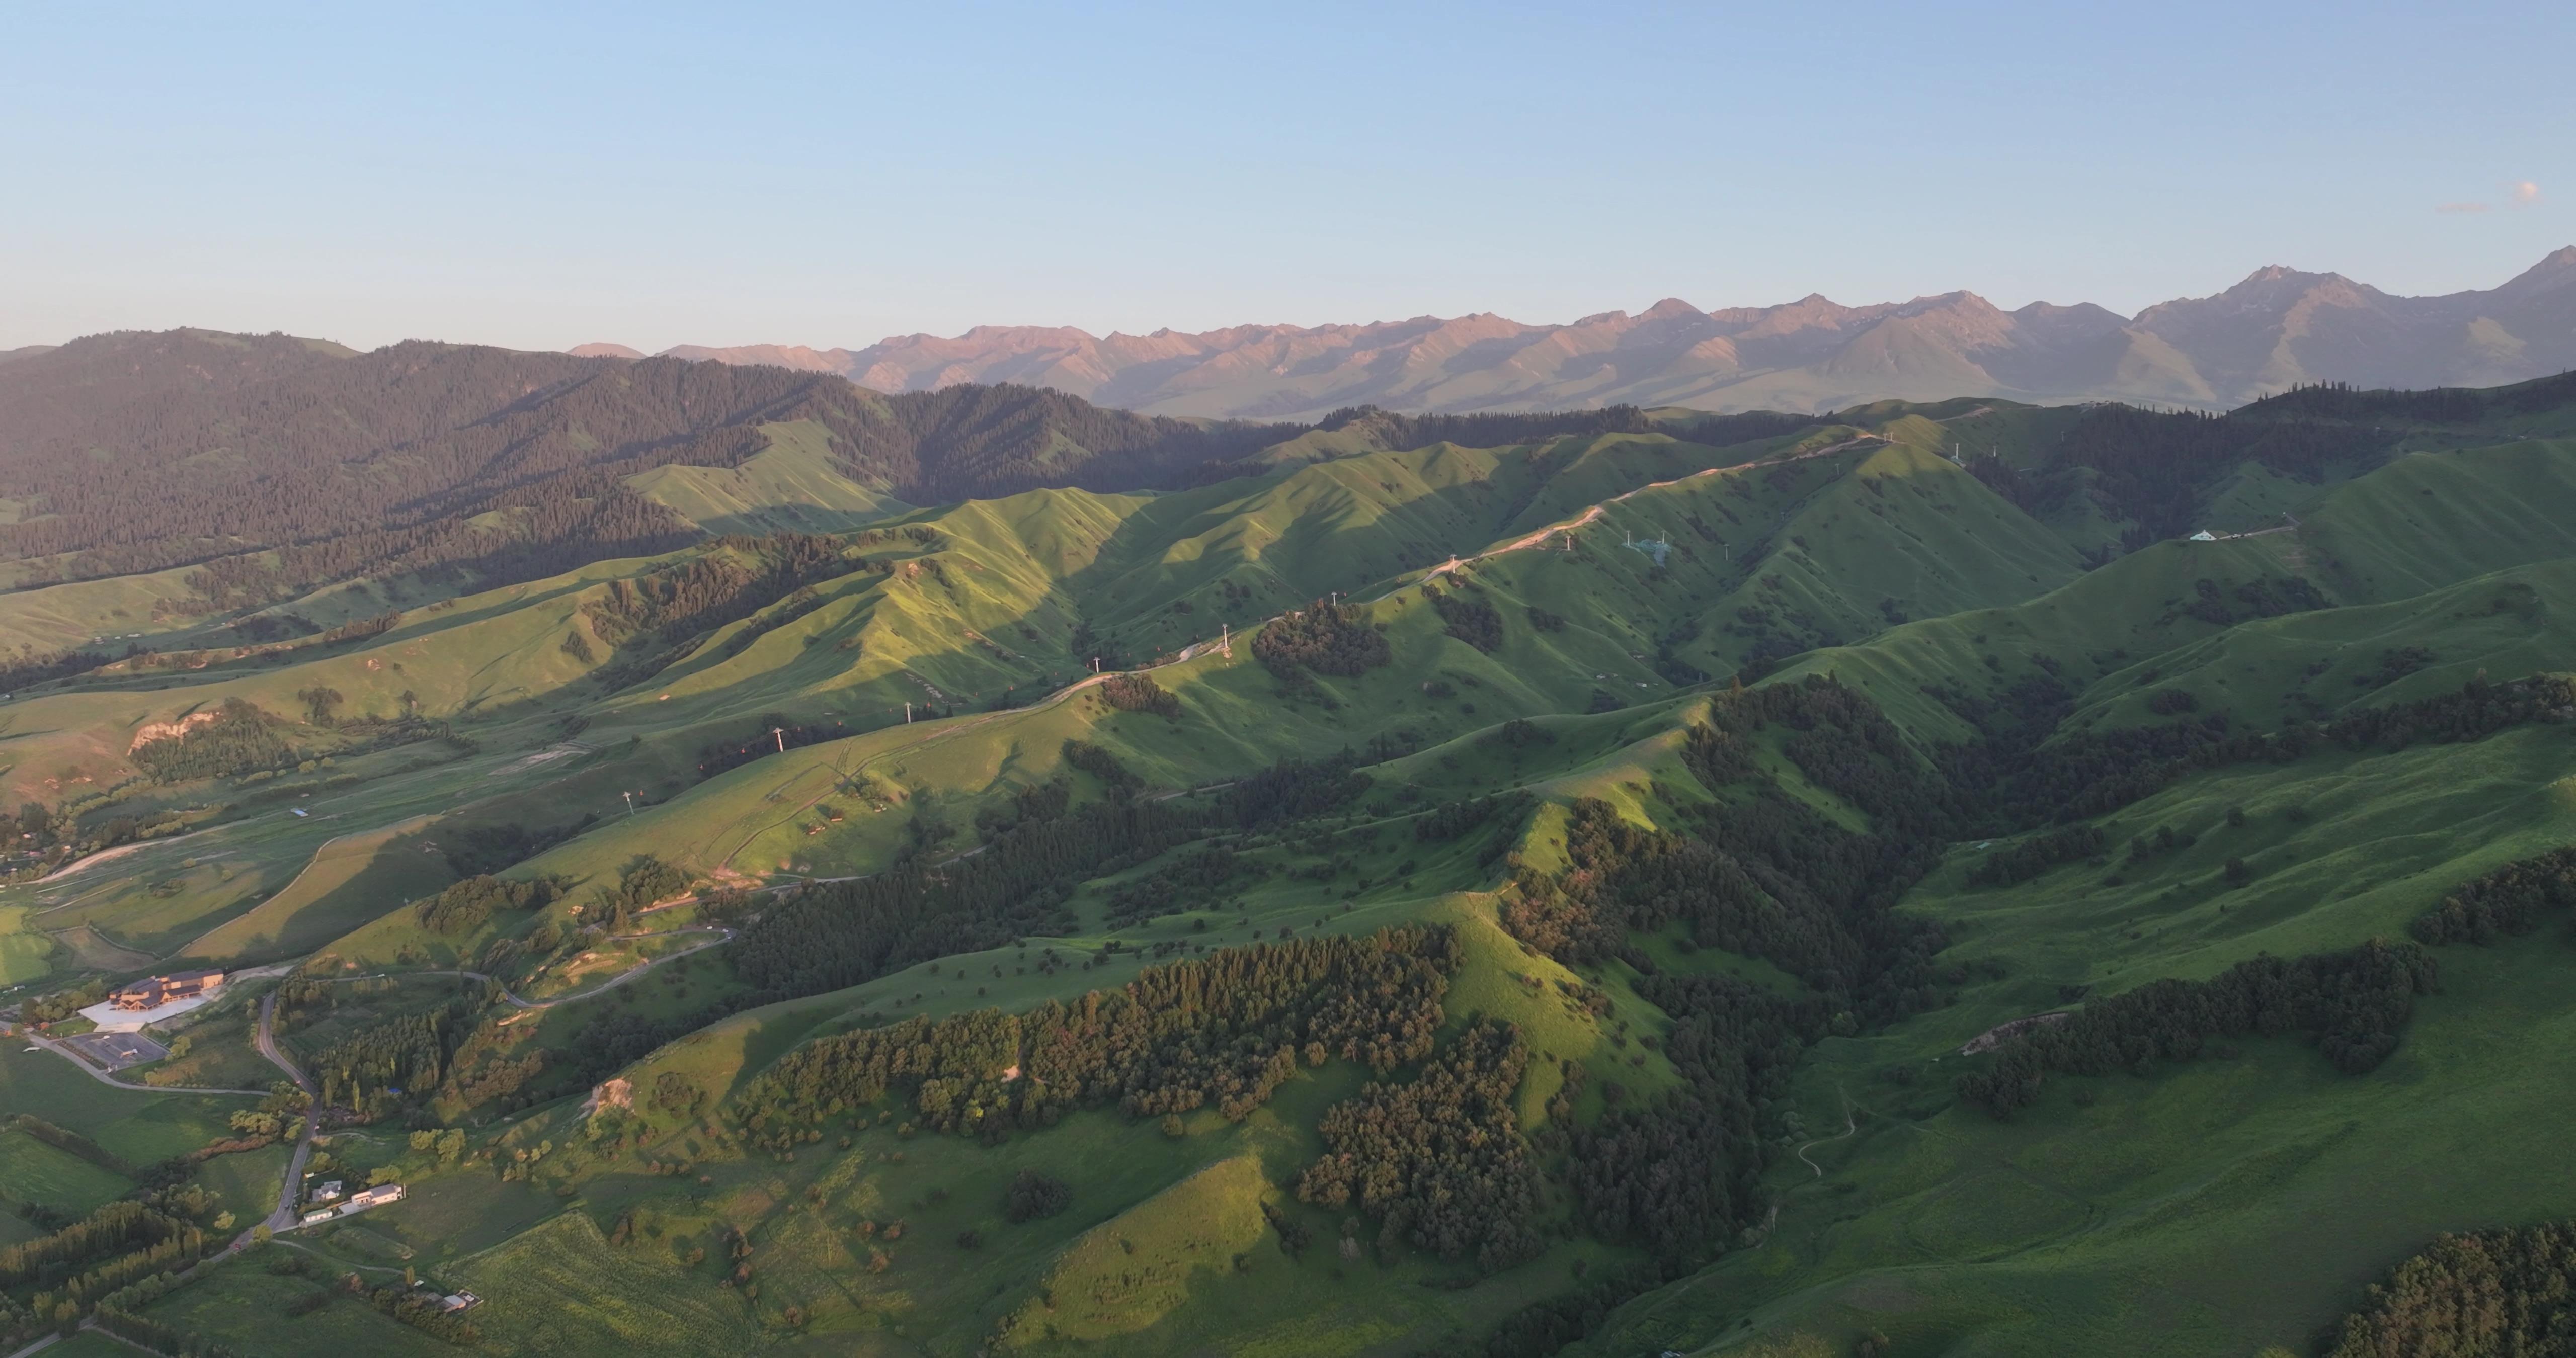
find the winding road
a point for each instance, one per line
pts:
(284, 1216)
(1851, 1124)
(104, 1078)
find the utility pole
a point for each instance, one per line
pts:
(1095, 664)
(907, 714)
(781, 733)
(630, 804)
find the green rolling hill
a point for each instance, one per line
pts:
(1771, 886)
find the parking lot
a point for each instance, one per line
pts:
(115, 1051)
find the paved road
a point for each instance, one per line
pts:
(104, 1078)
(284, 1216)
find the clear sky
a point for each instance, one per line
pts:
(541, 175)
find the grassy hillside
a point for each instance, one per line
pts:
(1594, 853)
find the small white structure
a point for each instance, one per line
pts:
(316, 1218)
(2204, 535)
(376, 1197)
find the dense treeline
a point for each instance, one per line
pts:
(463, 906)
(241, 739)
(2507, 901)
(30, 666)
(362, 462)
(839, 934)
(642, 882)
(1295, 789)
(2037, 854)
(2478, 709)
(2439, 405)
(1113, 774)
(2152, 467)
(1543, 1329)
(1450, 820)
(1761, 873)
(1139, 693)
(1470, 620)
(2019, 776)
(2354, 1004)
(1191, 880)
(737, 578)
(1682, 1176)
(406, 1054)
(112, 1229)
(1767, 875)
(1439, 1160)
(356, 461)
(1324, 637)
(2509, 1293)
(1225, 1030)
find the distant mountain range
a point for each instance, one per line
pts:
(2276, 329)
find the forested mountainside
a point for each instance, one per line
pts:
(2277, 328)
(1959, 878)
(141, 451)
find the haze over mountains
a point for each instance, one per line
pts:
(2277, 328)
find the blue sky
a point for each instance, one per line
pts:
(539, 176)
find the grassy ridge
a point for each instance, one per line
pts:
(2116, 1208)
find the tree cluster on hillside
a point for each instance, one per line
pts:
(241, 739)
(2024, 773)
(1113, 774)
(839, 934)
(2153, 467)
(2476, 710)
(2354, 1004)
(1439, 1160)
(643, 881)
(1323, 637)
(1449, 820)
(2508, 1293)
(738, 577)
(2437, 405)
(2508, 901)
(462, 907)
(1681, 1176)
(1763, 873)
(404, 1055)
(1224, 1030)
(1469, 619)
(29, 667)
(1295, 789)
(1139, 693)
(1191, 879)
